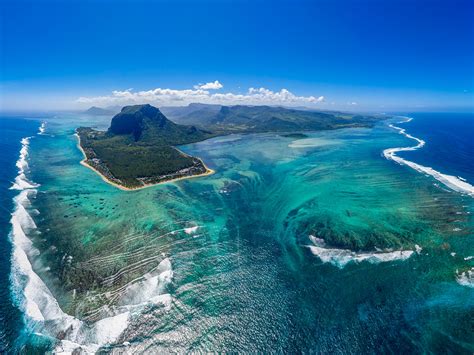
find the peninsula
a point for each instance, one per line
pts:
(138, 149)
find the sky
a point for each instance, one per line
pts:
(366, 55)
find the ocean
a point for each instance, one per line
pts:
(449, 145)
(353, 240)
(13, 131)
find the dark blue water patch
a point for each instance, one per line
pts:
(449, 146)
(12, 130)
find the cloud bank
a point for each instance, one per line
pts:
(216, 85)
(201, 94)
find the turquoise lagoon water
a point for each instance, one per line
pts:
(317, 244)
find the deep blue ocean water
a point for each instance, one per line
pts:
(12, 131)
(448, 149)
(449, 141)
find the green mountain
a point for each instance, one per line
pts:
(190, 114)
(148, 125)
(246, 119)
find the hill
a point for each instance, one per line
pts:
(98, 111)
(247, 119)
(192, 112)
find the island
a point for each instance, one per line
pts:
(140, 147)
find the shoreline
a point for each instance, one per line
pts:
(83, 162)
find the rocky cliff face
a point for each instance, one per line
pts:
(135, 119)
(148, 125)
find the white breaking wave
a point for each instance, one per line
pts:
(42, 128)
(21, 182)
(41, 309)
(453, 182)
(466, 278)
(342, 257)
(150, 290)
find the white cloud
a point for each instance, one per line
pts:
(216, 85)
(159, 96)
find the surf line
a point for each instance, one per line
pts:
(452, 182)
(42, 314)
(40, 309)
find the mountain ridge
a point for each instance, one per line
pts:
(263, 118)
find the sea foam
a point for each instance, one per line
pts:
(42, 312)
(42, 128)
(21, 182)
(453, 182)
(342, 257)
(466, 278)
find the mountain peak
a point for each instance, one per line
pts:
(147, 124)
(146, 109)
(137, 118)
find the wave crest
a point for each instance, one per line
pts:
(342, 257)
(466, 278)
(453, 182)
